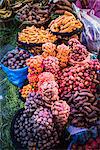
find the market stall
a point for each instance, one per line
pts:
(54, 74)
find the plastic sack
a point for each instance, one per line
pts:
(93, 5)
(16, 76)
(81, 135)
(91, 34)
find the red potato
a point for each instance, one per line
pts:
(49, 92)
(60, 110)
(79, 77)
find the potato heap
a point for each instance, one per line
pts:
(35, 64)
(35, 68)
(34, 13)
(15, 59)
(44, 77)
(60, 51)
(84, 108)
(33, 101)
(79, 77)
(22, 130)
(73, 41)
(49, 92)
(33, 80)
(26, 90)
(62, 55)
(78, 53)
(36, 35)
(51, 64)
(49, 49)
(91, 144)
(40, 127)
(60, 6)
(65, 23)
(60, 110)
(45, 133)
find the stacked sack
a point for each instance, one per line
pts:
(35, 68)
(47, 116)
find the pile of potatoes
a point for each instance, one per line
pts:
(84, 108)
(34, 13)
(61, 6)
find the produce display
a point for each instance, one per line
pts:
(33, 79)
(62, 54)
(84, 108)
(45, 132)
(45, 77)
(49, 92)
(60, 51)
(34, 13)
(5, 10)
(62, 78)
(65, 23)
(15, 59)
(60, 110)
(40, 132)
(51, 64)
(22, 130)
(37, 120)
(33, 101)
(73, 41)
(35, 64)
(79, 53)
(79, 77)
(49, 49)
(35, 68)
(35, 35)
(61, 6)
(91, 144)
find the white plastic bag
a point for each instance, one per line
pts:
(91, 33)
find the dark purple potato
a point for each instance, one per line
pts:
(38, 19)
(20, 64)
(17, 62)
(17, 67)
(24, 55)
(21, 58)
(13, 59)
(10, 62)
(10, 55)
(22, 61)
(24, 52)
(16, 57)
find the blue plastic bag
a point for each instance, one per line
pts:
(78, 134)
(82, 135)
(16, 76)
